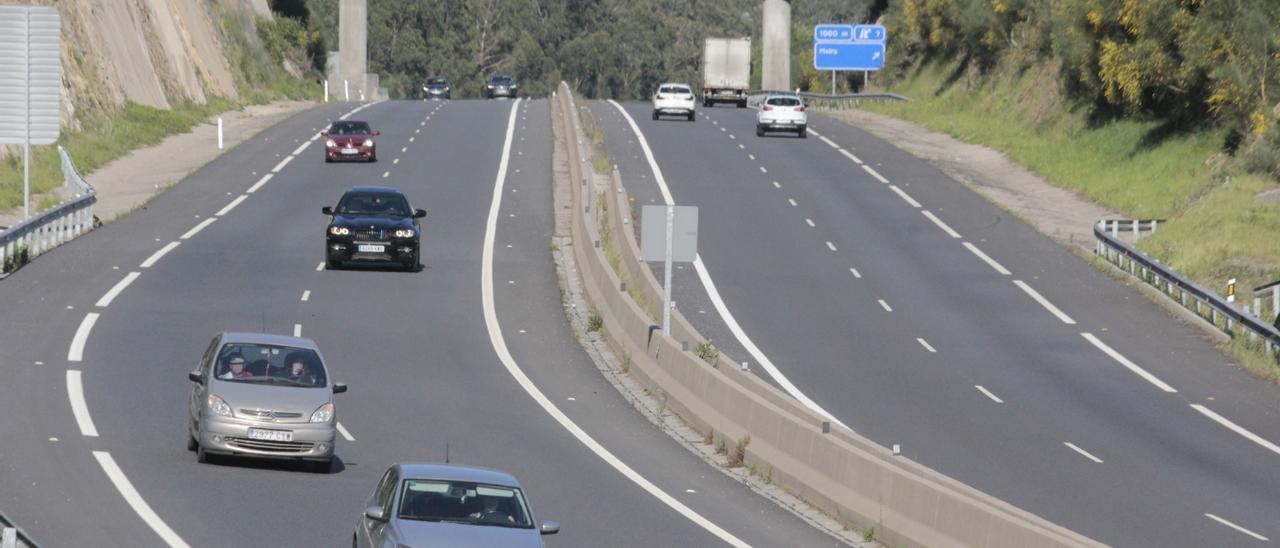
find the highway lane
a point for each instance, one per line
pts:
(412, 346)
(884, 319)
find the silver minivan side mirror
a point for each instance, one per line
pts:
(376, 513)
(549, 527)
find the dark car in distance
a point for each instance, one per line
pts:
(501, 85)
(373, 224)
(435, 88)
(350, 140)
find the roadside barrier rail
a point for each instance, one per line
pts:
(844, 100)
(53, 227)
(1223, 315)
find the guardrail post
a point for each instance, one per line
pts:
(1136, 223)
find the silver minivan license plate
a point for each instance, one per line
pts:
(270, 435)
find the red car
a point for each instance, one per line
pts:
(350, 140)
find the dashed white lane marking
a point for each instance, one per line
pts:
(1044, 302)
(227, 208)
(850, 155)
(159, 253)
(809, 222)
(504, 355)
(320, 266)
(988, 393)
(904, 196)
(115, 290)
(417, 131)
(742, 146)
(751, 156)
(986, 259)
(777, 184)
(826, 140)
(76, 352)
(1237, 527)
(855, 272)
(941, 224)
(731, 136)
(791, 201)
(395, 161)
(874, 173)
(830, 245)
(282, 163)
(1236, 428)
(75, 393)
(926, 345)
(411, 139)
(135, 501)
(763, 170)
(259, 184)
(386, 174)
(314, 137)
(1128, 364)
(402, 149)
(306, 295)
(885, 305)
(196, 229)
(297, 330)
(346, 435)
(721, 129)
(301, 148)
(1086, 454)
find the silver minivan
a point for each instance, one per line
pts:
(262, 395)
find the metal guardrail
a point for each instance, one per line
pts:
(55, 226)
(1163, 278)
(845, 100)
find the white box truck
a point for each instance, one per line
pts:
(726, 71)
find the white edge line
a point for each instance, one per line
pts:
(988, 393)
(282, 163)
(987, 259)
(500, 347)
(259, 184)
(1236, 527)
(941, 224)
(1044, 302)
(106, 299)
(135, 500)
(926, 345)
(227, 208)
(75, 393)
(345, 434)
(904, 196)
(159, 253)
(1236, 428)
(874, 173)
(76, 352)
(306, 295)
(1086, 454)
(301, 148)
(196, 229)
(1128, 364)
(648, 154)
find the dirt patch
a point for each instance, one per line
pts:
(1061, 214)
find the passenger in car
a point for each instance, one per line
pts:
(299, 373)
(236, 371)
(491, 512)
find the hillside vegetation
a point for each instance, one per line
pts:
(1156, 109)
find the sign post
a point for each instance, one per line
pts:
(668, 233)
(30, 83)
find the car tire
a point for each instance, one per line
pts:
(373, 158)
(742, 104)
(804, 133)
(192, 444)
(331, 264)
(203, 457)
(328, 160)
(759, 130)
(654, 115)
(692, 116)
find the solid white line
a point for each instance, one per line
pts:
(904, 196)
(345, 434)
(988, 260)
(827, 141)
(76, 352)
(1044, 302)
(159, 253)
(306, 295)
(259, 184)
(809, 222)
(648, 154)
(500, 347)
(830, 245)
(301, 148)
(875, 174)
(1128, 364)
(282, 163)
(941, 224)
(1237, 527)
(196, 229)
(297, 330)
(1236, 428)
(75, 393)
(135, 500)
(855, 272)
(988, 393)
(320, 266)
(1082, 452)
(885, 305)
(851, 156)
(120, 285)
(231, 205)
(926, 345)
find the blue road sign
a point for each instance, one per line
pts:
(848, 56)
(869, 33)
(832, 33)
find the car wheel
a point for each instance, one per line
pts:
(373, 158)
(328, 160)
(759, 130)
(804, 133)
(692, 116)
(331, 264)
(742, 104)
(655, 115)
(203, 457)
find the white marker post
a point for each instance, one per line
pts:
(1231, 290)
(346, 90)
(219, 133)
(326, 91)
(666, 271)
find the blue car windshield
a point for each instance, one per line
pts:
(372, 204)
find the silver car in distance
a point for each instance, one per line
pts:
(431, 505)
(261, 395)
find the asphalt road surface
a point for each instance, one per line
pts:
(920, 315)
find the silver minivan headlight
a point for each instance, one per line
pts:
(323, 414)
(219, 406)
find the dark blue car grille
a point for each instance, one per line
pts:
(367, 235)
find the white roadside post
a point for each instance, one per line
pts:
(666, 271)
(346, 90)
(326, 90)
(219, 133)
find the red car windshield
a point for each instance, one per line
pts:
(350, 128)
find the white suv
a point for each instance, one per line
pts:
(781, 113)
(674, 99)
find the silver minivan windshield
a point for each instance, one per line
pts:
(269, 364)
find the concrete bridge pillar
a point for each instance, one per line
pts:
(775, 66)
(351, 79)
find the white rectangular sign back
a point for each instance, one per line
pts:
(30, 74)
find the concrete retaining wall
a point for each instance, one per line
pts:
(840, 472)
